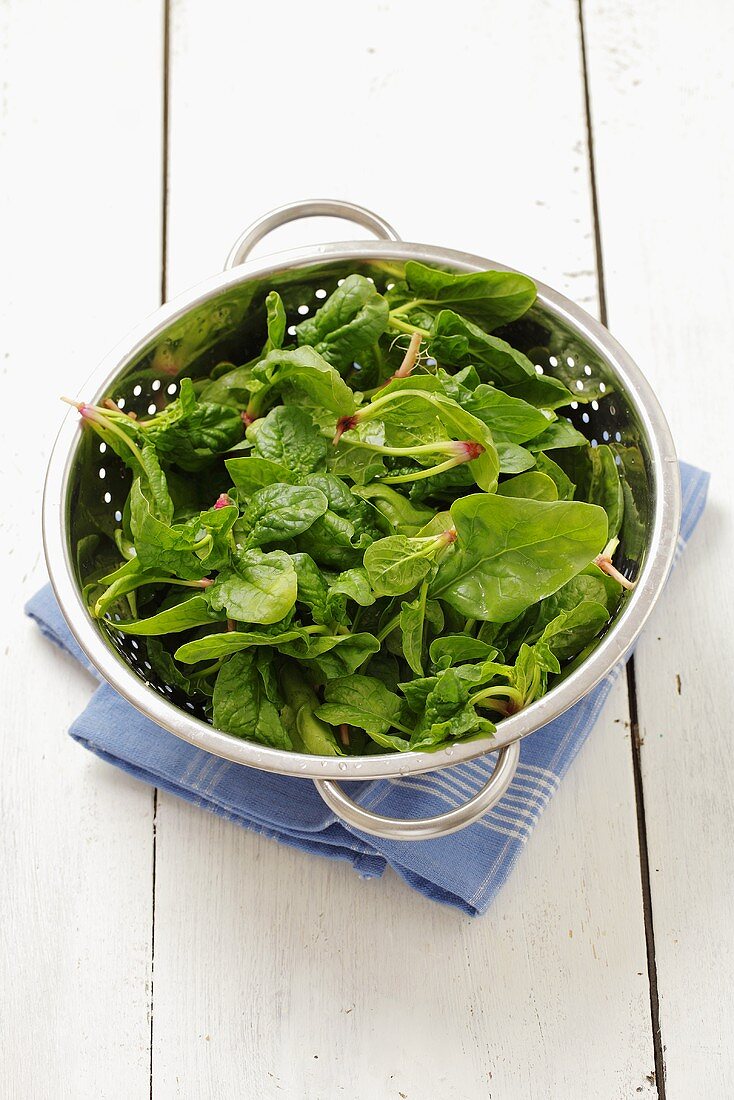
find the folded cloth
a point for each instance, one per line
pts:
(465, 869)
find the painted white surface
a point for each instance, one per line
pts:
(80, 231)
(266, 958)
(662, 102)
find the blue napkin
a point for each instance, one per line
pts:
(465, 869)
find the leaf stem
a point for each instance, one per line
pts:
(500, 689)
(404, 326)
(411, 356)
(388, 628)
(402, 479)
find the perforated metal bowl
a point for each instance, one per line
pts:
(221, 319)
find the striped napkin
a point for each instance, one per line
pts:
(465, 869)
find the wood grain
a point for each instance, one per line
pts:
(278, 974)
(662, 101)
(80, 231)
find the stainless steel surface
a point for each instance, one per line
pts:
(426, 828)
(203, 325)
(313, 208)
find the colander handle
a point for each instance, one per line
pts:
(427, 828)
(312, 208)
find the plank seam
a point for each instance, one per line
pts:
(652, 975)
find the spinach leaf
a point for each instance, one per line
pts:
(532, 485)
(509, 552)
(456, 341)
(354, 584)
(561, 433)
(514, 459)
(396, 512)
(231, 388)
(192, 433)
(491, 297)
(347, 651)
(214, 646)
(361, 701)
(350, 321)
(570, 631)
(455, 649)
(256, 587)
(510, 419)
(241, 705)
(288, 437)
(182, 616)
(447, 714)
(305, 369)
(412, 622)
(250, 474)
(564, 486)
(397, 563)
(309, 733)
(190, 550)
(280, 512)
(276, 322)
(597, 477)
(169, 672)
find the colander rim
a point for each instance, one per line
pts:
(665, 499)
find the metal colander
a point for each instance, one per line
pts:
(222, 320)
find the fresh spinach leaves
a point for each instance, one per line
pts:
(337, 571)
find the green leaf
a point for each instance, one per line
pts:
(491, 297)
(568, 633)
(276, 321)
(509, 418)
(241, 705)
(354, 649)
(412, 622)
(514, 459)
(191, 433)
(532, 485)
(336, 539)
(396, 512)
(350, 321)
(231, 388)
(564, 486)
(214, 646)
(360, 701)
(397, 563)
(280, 512)
(597, 476)
(288, 436)
(447, 714)
(561, 433)
(169, 672)
(157, 484)
(455, 649)
(256, 588)
(250, 474)
(354, 584)
(309, 372)
(183, 616)
(510, 553)
(315, 735)
(190, 550)
(456, 341)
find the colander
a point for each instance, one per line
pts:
(221, 320)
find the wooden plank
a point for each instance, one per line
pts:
(662, 102)
(80, 225)
(278, 974)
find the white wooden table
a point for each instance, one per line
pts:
(152, 950)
